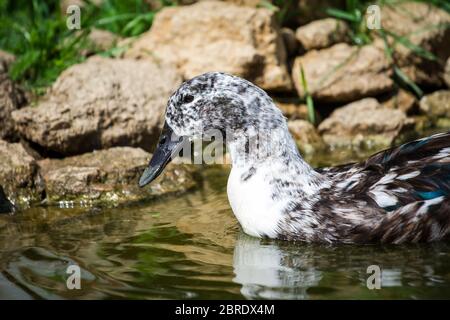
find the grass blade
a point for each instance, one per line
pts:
(341, 14)
(418, 50)
(406, 80)
(308, 98)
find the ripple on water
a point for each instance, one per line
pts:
(191, 247)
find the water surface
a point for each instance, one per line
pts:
(190, 247)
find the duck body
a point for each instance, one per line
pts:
(396, 196)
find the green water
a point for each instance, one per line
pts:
(190, 247)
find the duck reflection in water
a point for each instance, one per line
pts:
(268, 271)
(271, 269)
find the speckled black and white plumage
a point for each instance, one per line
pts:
(396, 196)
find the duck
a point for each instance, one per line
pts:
(399, 195)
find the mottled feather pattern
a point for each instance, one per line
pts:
(396, 196)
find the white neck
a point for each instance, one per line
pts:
(263, 181)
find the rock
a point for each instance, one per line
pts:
(425, 26)
(343, 73)
(11, 98)
(292, 110)
(322, 33)
(102, 39)
(306, 136)
(447, 73)
(402, 100)
(309, 10)
(5, 205)
(19, 175)
(6, 59)
(109, 177)
(99, 104)
(437, 107)
(218, 36)
(364, 121)
(290, 41)
(423, 125)
(248, 3)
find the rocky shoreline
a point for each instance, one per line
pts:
(89, 137)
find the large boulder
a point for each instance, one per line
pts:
(425, 26)
(343, 73)
(12, 98)
(109, 177)
(99, 104)
(218, 36)
(322, 33)
(365, 122)
(19, 175)
(292, 12)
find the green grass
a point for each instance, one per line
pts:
(308, 98)
(127, 18)
(36, 33)
(285, 10)
(353, 14)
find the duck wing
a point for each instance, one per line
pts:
(406, 190)
(415, 171)
(418, 170)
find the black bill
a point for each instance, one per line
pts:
(168, 147)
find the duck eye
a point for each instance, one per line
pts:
(163, 140)
(188, 98)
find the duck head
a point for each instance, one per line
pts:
(213, 101)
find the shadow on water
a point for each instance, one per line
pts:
(191, 247)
